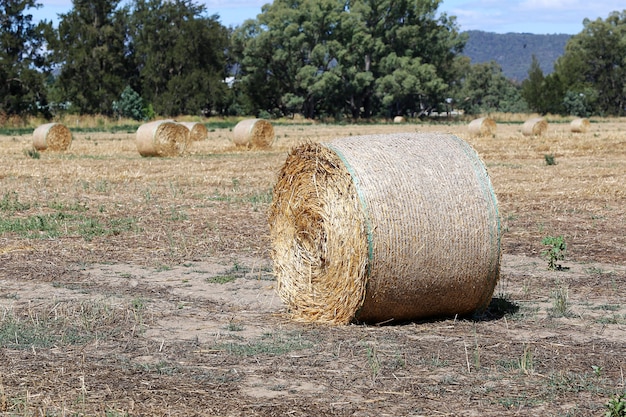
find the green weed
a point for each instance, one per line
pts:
(555, 252)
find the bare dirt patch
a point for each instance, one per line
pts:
(143, 286)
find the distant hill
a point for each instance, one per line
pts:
(514, 51)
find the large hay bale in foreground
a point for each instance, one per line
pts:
(580, 125)
(253, 133)
(162, 138)
(52, 137)
(384, 227)
(197, 131)
(534, 127)
(485, 126)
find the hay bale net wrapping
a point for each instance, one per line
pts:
(384, 227)
(580, 125)
(162, 138)
(52, 136)
(534, 127)
(197, 131)
(485, 126)
(253, 133)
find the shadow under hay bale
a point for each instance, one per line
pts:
(485, 126)
(52, 137)
(162, 138)
(581, 125)
(534, 127)
(253, 133)
(373, 229)
(197, 131)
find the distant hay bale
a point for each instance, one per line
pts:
(162, 138)
(580, 125)
(253, 133)
(399, 119)
(52, 137)
(197, 131)
(384, 227)
(534, 127)
(485, 126)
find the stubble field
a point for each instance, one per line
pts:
(135, 286)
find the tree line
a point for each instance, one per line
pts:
(319, 58)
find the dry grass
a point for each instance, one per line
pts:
(120, 242)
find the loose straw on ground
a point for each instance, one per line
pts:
(162, 138)
(253, 133)
(485, 126)
(534, 127)
(580, 125)
(384, 227)
(197, 131)
(52, 137)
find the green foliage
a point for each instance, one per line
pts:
(555, 252)
(485, 89)
(594, 61)
(24, 66)
(180, 57)
(92, 48)
(325, 58)
(616, 406)
(130, 105)
(549, 158)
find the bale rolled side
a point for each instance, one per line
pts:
(197, 131)
(52, 137)
(534, 127)
(384, 227)
(162, 138)
(485, 126)
(399, 119)
(253, 133)
(580, 125)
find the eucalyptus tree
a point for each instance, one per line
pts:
(594, 65)
(179, 53)
(354, 57)
(91, 51)
(23, 60)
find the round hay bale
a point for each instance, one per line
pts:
(52, 137)
(162, 138)
(399, 119)
(534, 127)
(485, 126)
(197, 131)
(580, 125)
(253, 133)
(384, 227)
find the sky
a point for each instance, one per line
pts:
(499, 16)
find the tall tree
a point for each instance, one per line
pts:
(338, 57)
(484, 89)
(594, 60)
(23, 63)
(180, 54)
(92, 51)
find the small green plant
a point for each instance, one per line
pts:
(555, 252)
(616, 406)
(549, 159)
(32, 153)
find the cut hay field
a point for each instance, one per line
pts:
(134, 286)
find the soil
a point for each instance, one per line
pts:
(146, 288)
